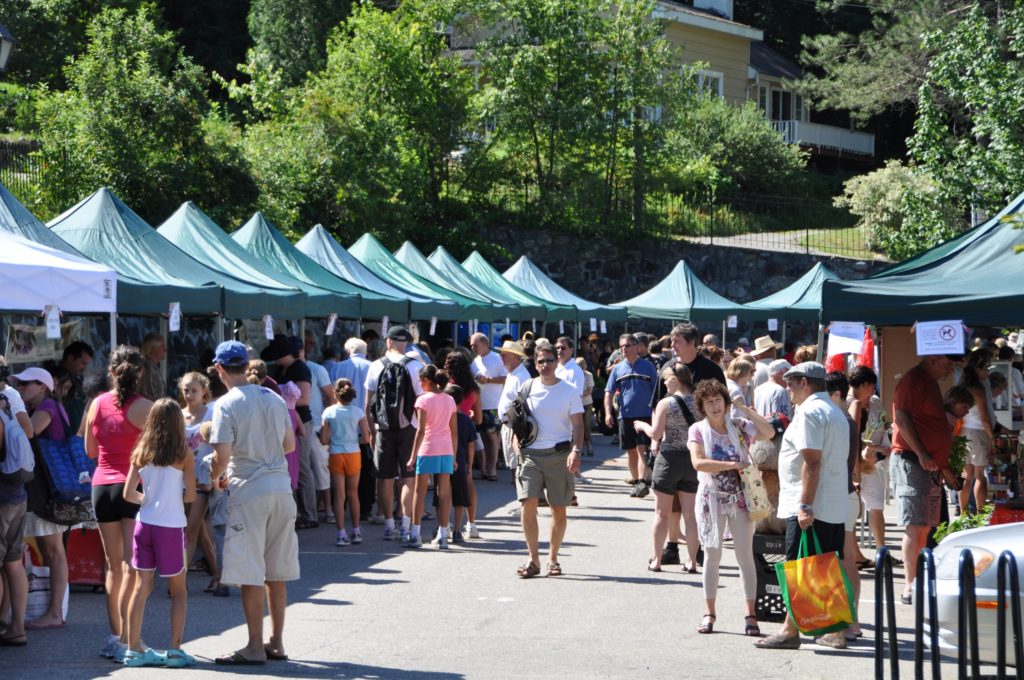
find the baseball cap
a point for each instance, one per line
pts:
(231, 353)
(400, 333)
(778, 365)
(35, 374)
(808, 369)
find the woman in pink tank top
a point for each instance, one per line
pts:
(113, 424)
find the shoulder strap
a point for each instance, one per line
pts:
(524, 391)
(405, 361)
(687, 415)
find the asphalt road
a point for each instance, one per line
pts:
(375, 611)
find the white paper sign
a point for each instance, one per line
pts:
(939, 337)
(508, 323)
(533, 323)
(268, 326)
(593, 325)
(433, 325)
(561, 326)
(331, 321)
(52, 322)
(384, 326)
(845, 337)
(773, 324)
(604, 327)
(733, 321)
(174, 320)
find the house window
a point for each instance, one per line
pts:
(782, 104)
(762, 98)
(799, 111)
(710, 81)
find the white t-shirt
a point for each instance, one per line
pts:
(15, 400)
(490, 366)
(770, 398)
(413, 368)
(552, 407)
(571, 373)
(513, 382)
(817, 424)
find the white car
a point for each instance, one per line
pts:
(985, 544)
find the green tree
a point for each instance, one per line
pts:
(293, 33)
(136, 119)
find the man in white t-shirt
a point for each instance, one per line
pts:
(812, 480)
(512, 356)
(490, 375)
(394, 444)
(321, 395)
(567, 368)
(18, 409)
(548, 463)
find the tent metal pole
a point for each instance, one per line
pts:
(164, 333)
(219, 327)
(725, 323)
(302, 330)
(359, 328)
(113, 330)
(783, 333)
(821, 341)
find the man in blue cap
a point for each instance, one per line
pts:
(252, 432)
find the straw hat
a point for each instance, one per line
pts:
(764, 344)
(513, 347)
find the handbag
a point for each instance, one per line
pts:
(816, 590)
(70, 471)
(755, 494)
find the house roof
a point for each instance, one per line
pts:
(768, 62)
(687, 14)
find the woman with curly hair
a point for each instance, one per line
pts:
(113, 424)
(457, 366)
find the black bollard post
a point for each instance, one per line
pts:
(885, 595)
(967, 618)
(1007, 566)
(926, 577)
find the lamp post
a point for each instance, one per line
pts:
(7, 42)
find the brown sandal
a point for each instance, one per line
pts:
(554, 569)
(528, 570)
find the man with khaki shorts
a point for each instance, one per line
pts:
(550, 462)
(252, 431)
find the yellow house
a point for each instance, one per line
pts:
(738, 66)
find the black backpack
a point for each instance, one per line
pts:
(394, 395)
(520, 420)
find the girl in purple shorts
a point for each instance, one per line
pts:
(165, 465)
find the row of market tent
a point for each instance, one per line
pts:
(256, 271)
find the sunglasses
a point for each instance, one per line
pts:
(541, 362)
(631, 344)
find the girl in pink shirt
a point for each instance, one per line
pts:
(433, 451)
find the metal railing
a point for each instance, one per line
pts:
(884, 585)
(20, 169)
(826, 137)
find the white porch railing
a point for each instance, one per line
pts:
(826, 137)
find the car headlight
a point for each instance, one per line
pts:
(948, 566)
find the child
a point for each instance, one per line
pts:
(195, 392)
(461, 498)
(165, 465)
(433, 451)
(290, 393)
(216, 502)
(343, 426)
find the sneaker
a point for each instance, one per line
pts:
(670, 553)
(389, 534)
(329, 518)
(342, 541)
(457, 537)
(441, 542)
(641, 490)
(357, 539)
(150, 657)
(376, 519)
(472, 531)
(411, 541)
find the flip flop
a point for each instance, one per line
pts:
(554, 569)
(32, 625)
(236, 659)
(651, 567)
(14, 641)
(274, 656)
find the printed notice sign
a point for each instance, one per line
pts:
(845, 337)
(773, 324)
(939, 337)
(174, 317)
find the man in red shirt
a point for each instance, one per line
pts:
(922, 439)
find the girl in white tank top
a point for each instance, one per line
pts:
(165, 466)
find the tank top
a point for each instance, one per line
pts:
(162, 487)
(677, 429)
(115, 438)
(195, 442)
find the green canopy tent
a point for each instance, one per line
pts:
(105, 230)
(319, 245)
(448, 306)
(451, 269)
(682, 296)
(800, 300)
(976, 278)
(455, 280)
(191, 230)
(262, 240)
(526, 275)
(476, 265)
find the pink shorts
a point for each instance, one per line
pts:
(160, 549)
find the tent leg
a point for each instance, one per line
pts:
(113, 330)
(725, 325)
(164, 333)
(302, 331)
(359, 328)
(219, 328)
(821, 342)
(783, 333)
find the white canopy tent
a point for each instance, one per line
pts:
(33, 276)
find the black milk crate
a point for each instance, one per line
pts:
(769, 550)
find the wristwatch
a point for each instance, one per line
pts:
(806, 508)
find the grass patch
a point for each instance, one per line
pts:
(845, 242)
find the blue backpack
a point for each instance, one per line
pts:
(17, 461)
(70, 478)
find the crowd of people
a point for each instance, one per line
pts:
(258, 446)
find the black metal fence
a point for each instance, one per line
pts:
(20, 168)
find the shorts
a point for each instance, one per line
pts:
(36, 526)
(435, 465)
(509, 446)
(978, 445)
(490, 422)
(874, 485)
(459, 485)
(392, 453)
(318, 460)
(159, 549)
(831, 537)
(918, 497)
(543, 470)
(348, 464)
(109, 504)
(260, 543)
(673, 472)
(856, 508)
(12, 531)
(629, 438)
